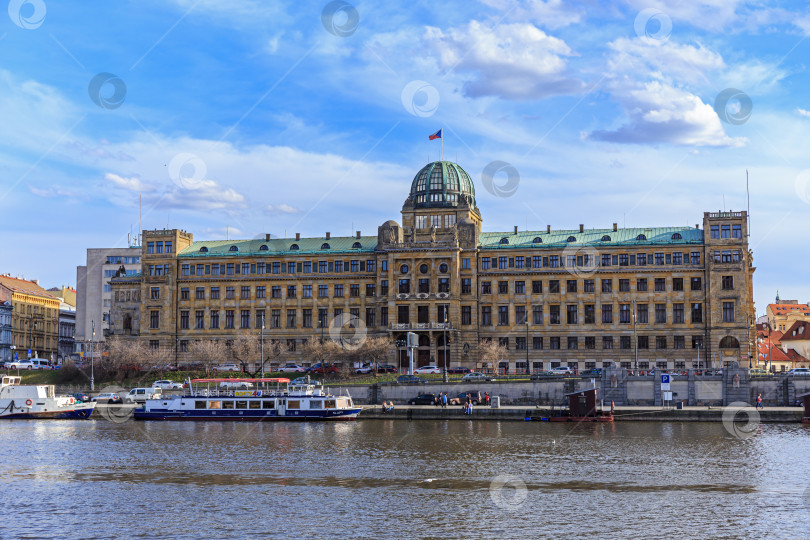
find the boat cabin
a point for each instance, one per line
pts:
(582, 403)
(806, 403)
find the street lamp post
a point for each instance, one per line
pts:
(261, 348)
(527, 344)
(635, 338)
(444, 331)
(92, 379)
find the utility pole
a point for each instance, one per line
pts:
(92, 343)
(261, 347)
(444, 331)
(635, 338)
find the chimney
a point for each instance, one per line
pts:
(267, 237)
(35, 281)
(581, 227)
(328, 235)
(358, 235)
(696, 226)
(548, 228)
(515, 229)
(615, 227)
(297, 236)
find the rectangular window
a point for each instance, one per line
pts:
(229, 319)
(466, 286)
(307, 267)
(607, 313)
(590, 314)
(503, 287)
(371, 317)
(659, 259)
(571, 286)
(607, 342)
(641, 259)
(697, 342)
(371, 290)
(715, 231)
(605, 260)
(466, 315)
(695, 257)
(155, 293)
(537, 287)
(404, 286)
(199, 293)
(323, 291)
(485, 263)
(503, 315)
(245, 268)
(643, 314)
(291, 291)
(260, 268)
(554, 314)
(159, 247)
(150, 247)
(727, 283)
(154, 319)
(184, 320)
(245, 318)
(354, 290)
(260, 291)
(230, 293)
(306, 320)
(503, 263)
(677, 258)
(677, 284)
(554, 286)
(486, 287)
(291, 318)
(537, 261)
(230, 269)
(660, 313)
(624, 313)
(643, 342)
(660, 342)
(306, 291)
(275, 318)
(260, 318)
(537, 343)
(275, 291)
(554, 342)
(697, 313)
(725, 231)
(214, 318)
(355, 266)
(245, 293)
(403, 314)
(183, 271)
(677, 313)
(607, 285)
(590, 342)
(624, 285)
(660, 284)
(554, 262)
(625, 342)
(678, 342)
(444, 285)
(184, 293)
(537, 314)
(573, 342)
(323, 315)
(728, 311)
(384, 287)
(696, 284)
(520, 287)
(736, 231)
(571, 314)
(486, 316)
(589, 286)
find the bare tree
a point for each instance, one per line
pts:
(491, 352)
(375, 350)
(245, 350)
(273, 351)
(124, 357)
(209, 352)
(322, 351)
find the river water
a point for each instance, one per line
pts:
(398, 479)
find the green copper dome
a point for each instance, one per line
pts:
(441, 184)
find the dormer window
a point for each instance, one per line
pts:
(356, 245)
(325, 246)
(294, 247)
(641, 237)
(606, 238)
(504, 241)
(571, 239)
(677, 236)
(263, 247)
(537, 240)
(203, 249)
(233, 248)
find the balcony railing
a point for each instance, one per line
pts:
(421, 326)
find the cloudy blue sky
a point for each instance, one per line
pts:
(282, 117)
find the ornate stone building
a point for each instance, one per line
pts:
(652, 297)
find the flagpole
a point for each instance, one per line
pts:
(442, 156)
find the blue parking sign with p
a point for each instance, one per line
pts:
(665, 378)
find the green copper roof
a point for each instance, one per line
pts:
(276, 246)
(593, 237)
(440, 184)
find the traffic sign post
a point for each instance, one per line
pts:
(665, 381)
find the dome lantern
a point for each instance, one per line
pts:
(442, 184)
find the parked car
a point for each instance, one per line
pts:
(235, 385)
(799, 371)
(81, 397)
(456, 370)
(191, 366)
(32, 363)
(406, 379)
(595, 372)
(426, 369)
(423, 399)
(476, 376)
(107, 397)
(386, 368)
(758, 372)
(291, 368)
(461, 398)
(561, 370)
(304, 380)
(364, 369)
(167, 385)
(226, 367)
(140, 395)
(322, 368)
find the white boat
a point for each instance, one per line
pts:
(291, 401)
(38, 401)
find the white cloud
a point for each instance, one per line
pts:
(131, 184)
(550, 14)
(802, 112)
(705, 14)
(282, 209)
(665, 60)
(511, 61)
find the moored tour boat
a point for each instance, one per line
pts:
(304, 401)
(38, 401)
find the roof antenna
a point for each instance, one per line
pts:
(227, 232)
(748, 197)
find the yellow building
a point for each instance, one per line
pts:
(782, 314)
(34, 318)
(667, 297)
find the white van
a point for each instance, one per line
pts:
(140, 395)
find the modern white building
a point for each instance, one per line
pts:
(93, 295)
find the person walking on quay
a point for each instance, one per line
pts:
(759, 402)
(444, 399)
(486, 398)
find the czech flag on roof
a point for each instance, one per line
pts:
(437, 135)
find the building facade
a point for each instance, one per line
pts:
(6, 309)
(666, 297)
(34, 318)
(782, 314)
(94, 294)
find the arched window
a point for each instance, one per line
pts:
(203, 249)
(233, 248)
(641, 237)
(571, 239)
(356, 245)
(423, 268)
(263, 247)
(403, 269)
(606, 238)
(537, 240)
(677, 236)
(504, 241)
(325, 246)
(443, 268)
(729, 342)
(294, 247)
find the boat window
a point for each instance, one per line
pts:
(214, 404)
(199, 404)
(341, 403)
(316, 404)
(227, 404)
(330, 403)
(241, 404)
(254, 404)
(293, 404)
(269, 404)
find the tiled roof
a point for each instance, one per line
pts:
(799, 330)
(24, 286)
(779, 309)
(777, 354)
(794, 356)
(276, 246)
(594, 237)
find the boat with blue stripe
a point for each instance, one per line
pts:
(250, 400)
(33, 402)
